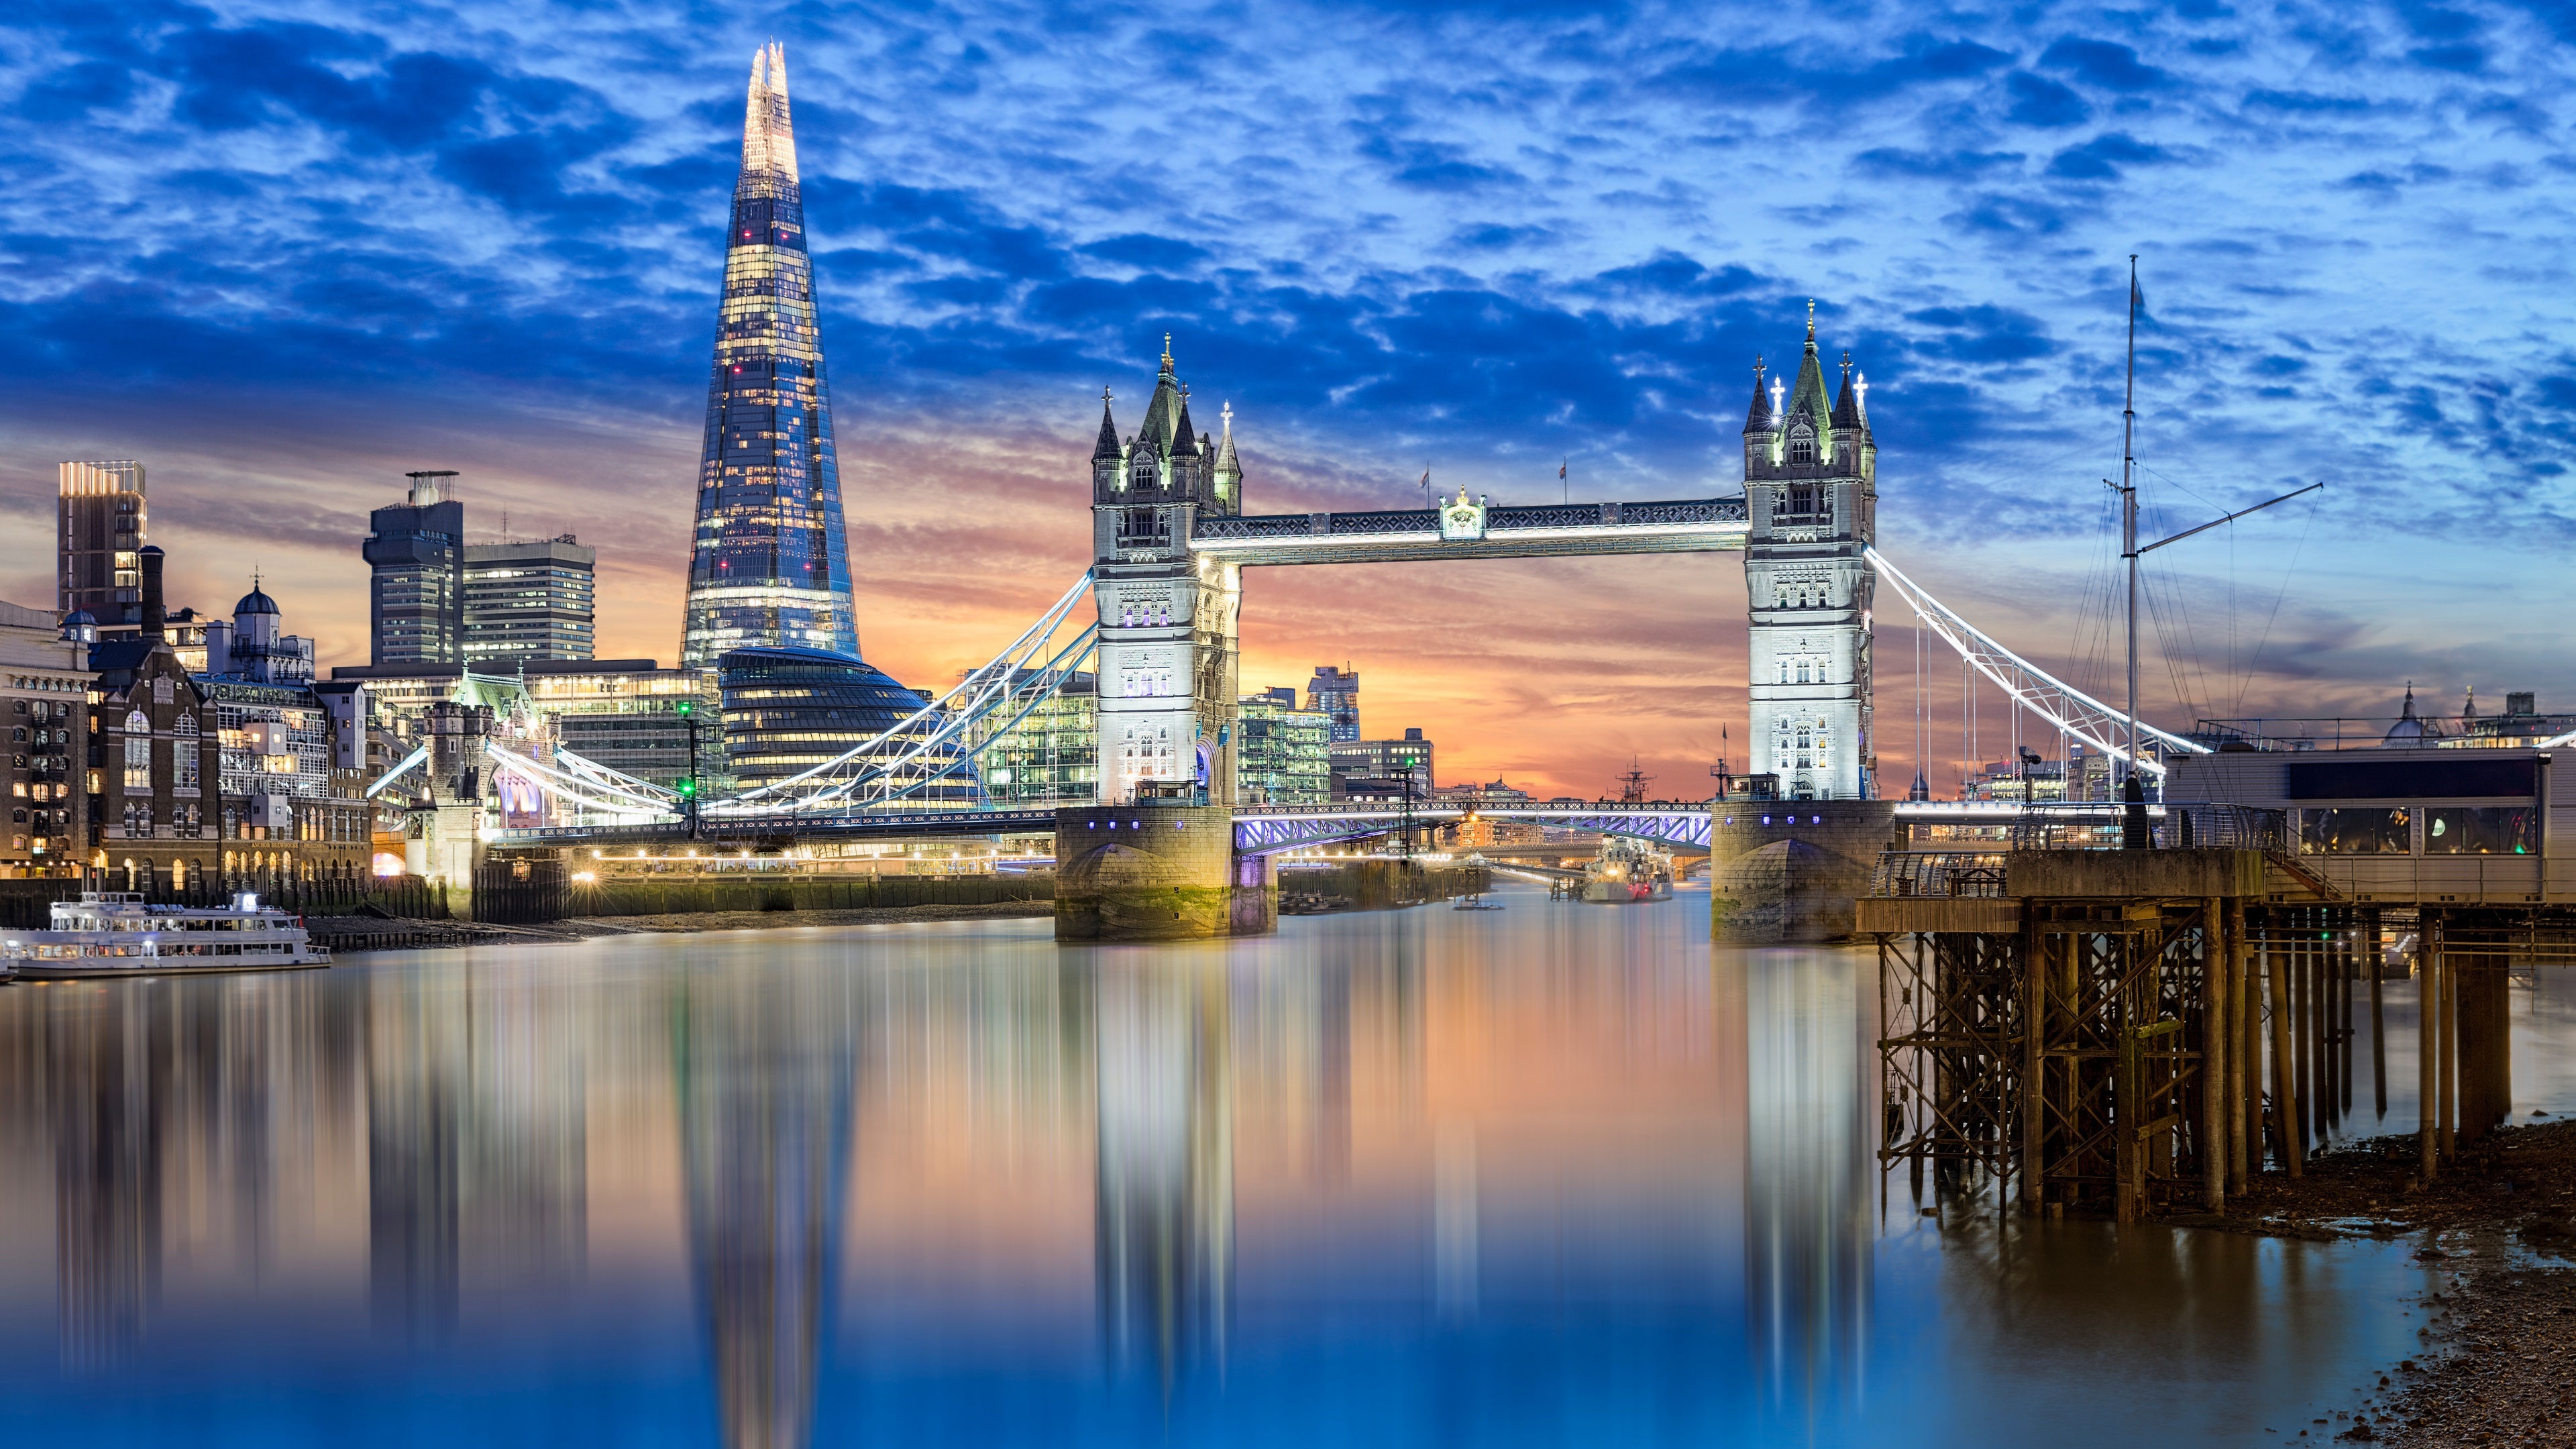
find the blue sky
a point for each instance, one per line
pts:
(284, 252)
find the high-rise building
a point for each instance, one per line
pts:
(44, 694)
(528, 601)
(99, 529)
(1335, 694)
(769, 566)
(416, 595)
(1811, 494)
(1049, 755)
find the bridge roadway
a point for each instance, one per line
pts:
(1457, 529)
(1258, 830)
(1265, 829)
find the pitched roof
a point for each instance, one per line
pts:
(1107, 447)
(1758, 418)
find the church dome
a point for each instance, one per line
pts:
(78, 618)
(255, 602)
(2409, 730)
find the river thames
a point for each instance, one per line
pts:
(1556, 1174)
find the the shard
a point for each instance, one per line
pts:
(769, 564)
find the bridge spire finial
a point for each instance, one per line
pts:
(1811, 322)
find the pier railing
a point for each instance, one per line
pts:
(1974, 868)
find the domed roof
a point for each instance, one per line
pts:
(255, 602)
(78, 618)
(2409, 730)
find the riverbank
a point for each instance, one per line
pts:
(2499, 1359)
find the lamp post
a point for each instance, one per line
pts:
(687, 711)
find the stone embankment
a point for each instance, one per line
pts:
(353, 934)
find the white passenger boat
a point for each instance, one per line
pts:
(113, 933)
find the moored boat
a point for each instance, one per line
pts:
(113, 933)
(1628, 872)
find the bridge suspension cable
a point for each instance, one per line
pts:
(2027, 685)
(587, 784)
(943, 738)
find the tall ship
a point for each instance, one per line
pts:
(113, 933)
(1628, 872)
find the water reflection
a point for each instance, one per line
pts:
(1555, 1174)
(1807, 1179)
(1163, 1229)
(763, 1062)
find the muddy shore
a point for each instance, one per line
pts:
(2498, 1362)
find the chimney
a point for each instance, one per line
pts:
(153, 612)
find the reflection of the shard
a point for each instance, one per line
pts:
(1164, 1220)
(1807, 1213)
(765, 1061)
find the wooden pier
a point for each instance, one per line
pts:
(2138, 1031)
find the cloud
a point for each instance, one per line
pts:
(2103, 64)
(292, 243)
(2039, 101)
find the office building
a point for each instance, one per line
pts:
(528, 601)
(1051, 755)
(43, 683)
(415, 551)
(99, 527)
(1335, 694)
(1378, 761)
(769, 566)
(787, 711)
(1284, 753)
(624, 714)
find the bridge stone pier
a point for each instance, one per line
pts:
(1158, 871)
(1782, 872)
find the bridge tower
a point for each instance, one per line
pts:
(1155, 857)
(1811, 499)
(1168, 618)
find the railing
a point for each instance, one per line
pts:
(2178, 826)
(1947, 873)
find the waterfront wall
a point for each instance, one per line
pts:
(1380, 885)
(27, 904)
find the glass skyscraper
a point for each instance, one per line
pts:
(769, 566)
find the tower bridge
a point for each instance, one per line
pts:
(1167, 849)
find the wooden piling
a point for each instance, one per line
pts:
(2214, 1096)
(2244, 1057)
(2428, 1056)
(2377, 957)
(2343, 995)
(2447, 1074)
(2285, 1099)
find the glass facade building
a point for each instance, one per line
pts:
(768, 564)
(787, 710)
(1051, 755)
(1286, 752)
(529, 600)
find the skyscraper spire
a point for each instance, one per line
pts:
(769, 564)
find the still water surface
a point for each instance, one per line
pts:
(1558, 1174)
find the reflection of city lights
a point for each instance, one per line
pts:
(388, 863)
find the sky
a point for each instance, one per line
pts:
(284, 253)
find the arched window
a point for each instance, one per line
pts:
(187, 724)
(1802, 448)
(137, 722)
